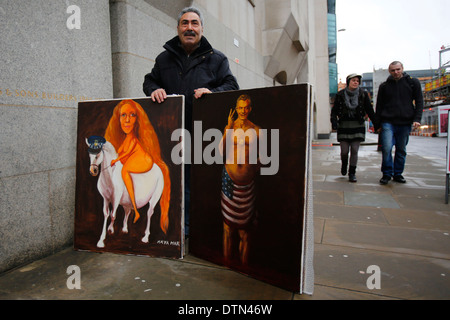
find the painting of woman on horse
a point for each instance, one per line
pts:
(124, 170)
(137, 145)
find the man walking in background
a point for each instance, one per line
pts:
(399, 106)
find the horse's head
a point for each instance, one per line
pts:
(95, 147)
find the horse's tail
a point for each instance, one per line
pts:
(165, 198)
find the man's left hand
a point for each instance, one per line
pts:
(416, 125)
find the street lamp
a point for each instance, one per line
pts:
(340, 30)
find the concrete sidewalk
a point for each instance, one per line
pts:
(401, 228)
(404, 230)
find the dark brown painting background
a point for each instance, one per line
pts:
(93, 118)
(275, 247)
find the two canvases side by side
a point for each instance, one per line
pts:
(250, 188)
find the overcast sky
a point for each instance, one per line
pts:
(378, 32)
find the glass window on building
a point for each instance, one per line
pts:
(332, 37)
(333, 70)
(332, 6)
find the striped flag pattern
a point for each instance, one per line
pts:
(237, 202)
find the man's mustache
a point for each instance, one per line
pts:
(190, 33)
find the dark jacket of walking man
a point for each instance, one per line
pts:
(399, 107)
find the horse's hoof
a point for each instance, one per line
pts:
(100, 244)
(145, 239)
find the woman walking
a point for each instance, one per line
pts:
(351, 106)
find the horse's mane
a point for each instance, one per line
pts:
(108, 147)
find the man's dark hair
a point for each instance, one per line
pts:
(190, 9)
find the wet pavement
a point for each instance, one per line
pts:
(372, 242)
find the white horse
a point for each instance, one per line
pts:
(148, 188)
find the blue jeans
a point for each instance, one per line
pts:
(398, 136)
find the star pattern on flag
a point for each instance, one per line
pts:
(227, 185)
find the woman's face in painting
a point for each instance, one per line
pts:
(128, 117)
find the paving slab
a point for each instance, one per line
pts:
(401, 276)
(351, 214)
(430, 243)
(430, 203)
(422, 219)
(322, 292)
(419, 192)
(377, 200)
(336, 197)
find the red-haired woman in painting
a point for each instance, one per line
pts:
(137, 145)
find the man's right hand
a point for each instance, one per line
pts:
(159, 95)
(230, 119)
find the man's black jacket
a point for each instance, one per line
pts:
(177, 73)
(400, 102)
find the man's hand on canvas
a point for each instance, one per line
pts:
(159, 95)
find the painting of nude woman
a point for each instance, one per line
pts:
(124, 170)
(138, 149)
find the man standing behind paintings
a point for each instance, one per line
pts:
(189, 66)
(239, 143)
(399, 106)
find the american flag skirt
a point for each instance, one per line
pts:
(237, 202)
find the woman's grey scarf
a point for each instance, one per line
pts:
(351, 101)
(351, 98)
